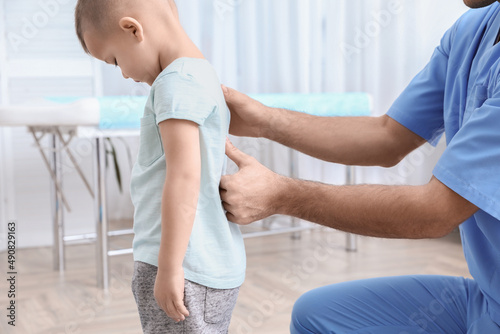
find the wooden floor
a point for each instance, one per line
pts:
(279, 271)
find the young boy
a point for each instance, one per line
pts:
(189, 260)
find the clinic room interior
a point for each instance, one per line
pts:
(70, 137)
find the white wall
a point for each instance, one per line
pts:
(256, 46)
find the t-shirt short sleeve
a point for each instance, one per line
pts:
(420, 106)
(470, 165)
(181, 96)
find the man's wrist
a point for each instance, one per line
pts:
(271, 122)
(282, 199)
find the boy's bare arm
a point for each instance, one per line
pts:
(180, 197)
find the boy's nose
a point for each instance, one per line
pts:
(124, 75)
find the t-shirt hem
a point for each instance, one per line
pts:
(213, 283)
(152, 260)
(467, 191)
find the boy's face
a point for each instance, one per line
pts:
(137, 60)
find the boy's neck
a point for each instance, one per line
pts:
(184, 48)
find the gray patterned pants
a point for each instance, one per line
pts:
(209, 309)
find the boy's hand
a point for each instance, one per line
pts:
(249, 117)
(169, 293)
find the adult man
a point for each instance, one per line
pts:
(457, 93)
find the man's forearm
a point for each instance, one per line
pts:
(373, 210)
(362, 141)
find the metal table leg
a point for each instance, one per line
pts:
(351, 239)
(57, 206)
(100, 212)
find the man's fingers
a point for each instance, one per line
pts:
(222, 193)
(223, 183)
(237, 220)
(228, 207)
(230, 217)
(236, 155)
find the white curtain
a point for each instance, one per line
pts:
(260, 46)
(374, 46)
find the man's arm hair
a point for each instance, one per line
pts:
(361, 141)
(428, 211)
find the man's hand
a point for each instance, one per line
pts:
(253, 193)
(169, 293)
(249, 117)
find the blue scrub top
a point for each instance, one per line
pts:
(458, 93)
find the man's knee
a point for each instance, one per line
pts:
(302, 305)
(324, 310)
(300, 312)
(305, 313)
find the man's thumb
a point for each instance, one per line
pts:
(234, 154)
(226, 91)
(229, 95)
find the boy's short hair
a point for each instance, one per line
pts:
(95, 13)
(100, 14)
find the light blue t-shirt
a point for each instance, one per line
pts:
(188, 89)
(458, 92)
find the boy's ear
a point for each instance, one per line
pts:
(133, 27)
